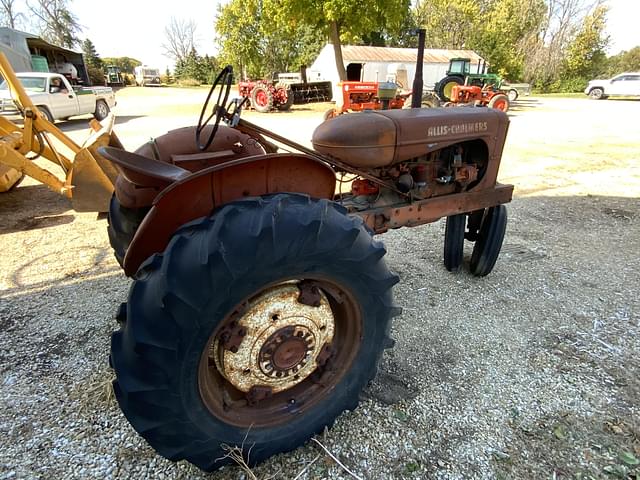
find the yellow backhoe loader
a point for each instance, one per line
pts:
(88, 178)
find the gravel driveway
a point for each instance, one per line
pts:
(531, 372)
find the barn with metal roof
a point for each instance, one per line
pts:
(370, 64)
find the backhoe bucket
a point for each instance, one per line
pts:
(9, 178)
(92, 176)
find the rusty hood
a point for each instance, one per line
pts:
(380, 138)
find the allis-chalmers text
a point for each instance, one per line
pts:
(442, 130)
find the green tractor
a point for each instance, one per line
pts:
(113, 77)
(459, 73)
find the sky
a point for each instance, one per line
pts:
(135, 28)
(622, 25)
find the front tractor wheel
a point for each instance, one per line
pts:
(254, 329)
(262, 98)
(499, 102)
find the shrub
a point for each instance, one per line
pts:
(189, 82)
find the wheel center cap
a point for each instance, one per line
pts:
(289, 354)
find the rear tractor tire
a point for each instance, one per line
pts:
(444, 87)
(122, 226)
(255, 328)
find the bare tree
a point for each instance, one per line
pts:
(9, 14)
(57, 24)
(547, 52)
(180, 39)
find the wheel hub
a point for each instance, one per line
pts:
(286, 351)
(283, 341)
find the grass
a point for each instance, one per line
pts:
(560, 95)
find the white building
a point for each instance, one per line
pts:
(379, 64)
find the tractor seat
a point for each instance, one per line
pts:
(381, 138)
(142, 179)
(143, 171)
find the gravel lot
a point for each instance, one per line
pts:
(531, 372)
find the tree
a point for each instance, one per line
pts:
(93, 62)
(91, 57)
(507, 29)
(547, 52)
(342, 19)
(9, 14)
(125, 64)
(238, 33)
(448, 23)
(56, 22)
(258, 41)
(195, 67)
(585, 55)
(624, 62)
(180, 39)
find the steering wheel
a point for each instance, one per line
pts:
(223, 80)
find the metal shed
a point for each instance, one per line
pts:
(372, 64)
(27, 52)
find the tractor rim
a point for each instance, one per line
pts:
(280, 352)
(448, 89)
(261, 98)
(500, 104)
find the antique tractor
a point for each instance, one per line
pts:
(359, 96)
(261, 302)
(474, 95)
(264, 96)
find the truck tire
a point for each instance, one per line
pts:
(489, 241)
(454, 241)
(122, 224)
(499, 102)
(284, 91)
(261, 98)
(46, 113)
(444, 86)
(220, 288)
(102, 110)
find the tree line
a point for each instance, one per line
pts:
(557, 45)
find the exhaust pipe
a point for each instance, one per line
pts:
(418, 83)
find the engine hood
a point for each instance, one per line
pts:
(381, 138)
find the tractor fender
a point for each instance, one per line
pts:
(200, 194)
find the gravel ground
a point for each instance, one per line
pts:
(531, 372)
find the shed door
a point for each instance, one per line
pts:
(354, 72)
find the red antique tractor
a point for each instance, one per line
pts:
(359, 96)
(264, 96)
(475, 95)
(261, 302)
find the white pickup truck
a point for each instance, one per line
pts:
(57, 99)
